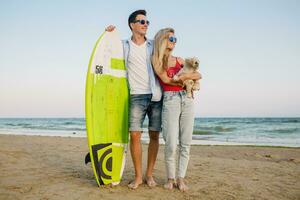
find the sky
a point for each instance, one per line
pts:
(249, 53)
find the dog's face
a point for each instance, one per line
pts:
(192, 63)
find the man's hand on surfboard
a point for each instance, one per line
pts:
(110, 28)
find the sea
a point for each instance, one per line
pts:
(207, 131)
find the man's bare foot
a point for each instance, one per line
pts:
(135, 184)
(181, 185)
(170, 184)
(150, 181)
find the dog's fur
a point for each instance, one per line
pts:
(190, 65)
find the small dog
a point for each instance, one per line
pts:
(190, 65)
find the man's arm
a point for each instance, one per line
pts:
(110, 28)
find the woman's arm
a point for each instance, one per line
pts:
(194, 76)
(162, 74)
(167, 80)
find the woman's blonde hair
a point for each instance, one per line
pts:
(160, 53)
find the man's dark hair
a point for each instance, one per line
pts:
(132, 16)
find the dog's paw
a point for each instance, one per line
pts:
(189, 95)
(176, 78)
(196, 87)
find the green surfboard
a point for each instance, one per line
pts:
(106, 109)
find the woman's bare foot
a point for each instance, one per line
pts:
(181, 185)
(170, 184)
(135, 184)
(150, 181)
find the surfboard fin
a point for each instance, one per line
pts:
(87, 158)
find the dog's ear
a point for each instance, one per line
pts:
(196, 62)
(188, 62)
(183, 62)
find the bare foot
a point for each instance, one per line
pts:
(181, 185)
(134, 184)
(150, 181)
(170, 184)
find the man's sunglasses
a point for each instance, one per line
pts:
(173, 39)
(142, 21)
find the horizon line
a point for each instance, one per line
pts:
(195, 117)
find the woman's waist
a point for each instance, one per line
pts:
(172, 88)
(167, 87)
(172, 93)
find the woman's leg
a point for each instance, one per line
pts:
(170, 125)
(185, 138)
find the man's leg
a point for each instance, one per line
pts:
(152, 152)
(154, 115)
(136, 155)
(138, 108)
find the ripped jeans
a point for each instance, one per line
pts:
(178, 123)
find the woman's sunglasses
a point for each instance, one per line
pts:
(142, 21)
(173, 39)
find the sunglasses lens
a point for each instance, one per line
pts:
(144, 22)
(172, 39)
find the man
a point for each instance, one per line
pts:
(145, 96)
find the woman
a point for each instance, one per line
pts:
(178, 109)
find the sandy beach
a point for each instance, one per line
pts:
(39, 167)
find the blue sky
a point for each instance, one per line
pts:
(249, 53)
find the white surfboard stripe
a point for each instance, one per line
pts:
(115, 72)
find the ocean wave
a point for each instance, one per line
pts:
(82, 123)
(284, 130)
(248, 120)
(219, 129)
(224, 129)
(203, 132)
(45, 127)
(19, 124)
(278, 120)
(291, 121)
(69, 123)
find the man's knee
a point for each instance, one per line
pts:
(135, 136)
(154, 136)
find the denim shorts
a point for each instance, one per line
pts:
(140, 105)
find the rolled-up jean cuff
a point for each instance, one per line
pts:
(154, 129)
(135, 130)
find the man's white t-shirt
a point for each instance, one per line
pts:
(138, 77)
